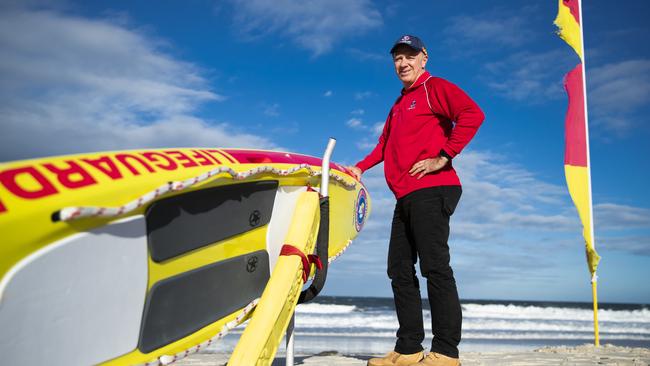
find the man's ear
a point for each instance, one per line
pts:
(424, 60)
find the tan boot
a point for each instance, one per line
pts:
(436, 359)
(396, 359)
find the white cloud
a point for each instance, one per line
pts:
(490, 32)
(361, 55)
(368, 143)
(611, 216)
(363, 95)
(635, 244)
(617, 93)
(621, 86)
(72, 85)
(378, 128)
(488, 28)
(521, 75)
(510, 224)
(328, 93)
(529, 77)
(499, 198)
(355, 123)
(313, 25)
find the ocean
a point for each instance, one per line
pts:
(365, 325)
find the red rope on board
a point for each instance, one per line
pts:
(307, 260)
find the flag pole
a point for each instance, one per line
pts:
(594, 277)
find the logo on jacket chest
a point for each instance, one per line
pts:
(412, 106)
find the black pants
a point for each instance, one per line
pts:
(420, 229)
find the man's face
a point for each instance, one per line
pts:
(409, 64)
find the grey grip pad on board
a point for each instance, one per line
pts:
(180, 224)
(183, 304)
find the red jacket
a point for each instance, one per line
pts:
(418, 127)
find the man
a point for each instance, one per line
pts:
(429, 124)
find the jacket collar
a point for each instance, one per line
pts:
(420, 80)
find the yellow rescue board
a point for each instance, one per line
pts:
(32, 191)
(259, 342)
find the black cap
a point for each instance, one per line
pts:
(411, 41)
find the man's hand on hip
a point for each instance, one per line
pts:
(427, 166)
(356, 171)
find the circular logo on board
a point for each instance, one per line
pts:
(255, 218)
(251, 264)
(361, 209)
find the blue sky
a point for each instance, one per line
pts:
(106, 75)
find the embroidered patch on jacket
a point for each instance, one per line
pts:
(412, 106)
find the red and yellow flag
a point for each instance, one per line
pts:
(568, 20)
(576, 157)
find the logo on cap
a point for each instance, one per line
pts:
(409, 40)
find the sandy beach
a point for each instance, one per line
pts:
(579, 356)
